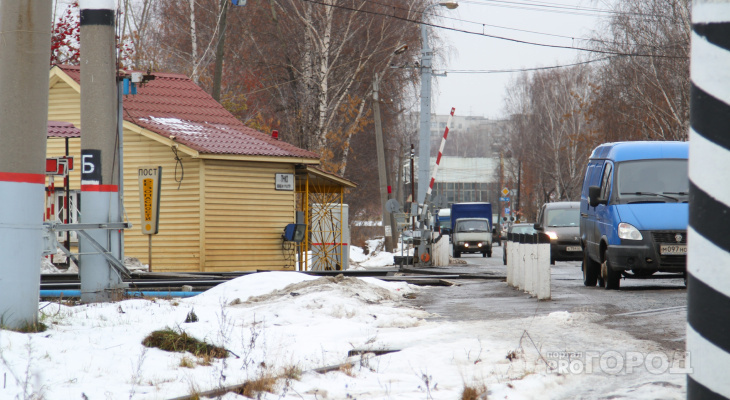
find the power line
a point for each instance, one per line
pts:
(483, 25)
(494, 36)
(498, 71)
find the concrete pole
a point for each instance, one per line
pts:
(708, 290)
(99, 157)
(424, 140)
(383, 178)
(25, 51)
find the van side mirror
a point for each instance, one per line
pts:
(536, 226)
(593, 193)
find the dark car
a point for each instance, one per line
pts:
(525, 228)
(561, 222)
(496, 230)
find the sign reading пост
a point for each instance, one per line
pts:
(149, 198)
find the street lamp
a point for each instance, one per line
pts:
(424, 147)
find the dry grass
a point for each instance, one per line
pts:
(347, 370)
(474, 392)
(265, 383)
(187, 362)
(292, 373)
(27, 327)
(170, 340)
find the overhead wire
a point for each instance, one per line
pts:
(495, 36)
(483, 25)
(497, 71)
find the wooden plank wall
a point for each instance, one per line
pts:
(245, 217)
(177, 245)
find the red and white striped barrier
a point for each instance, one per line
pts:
(441, 151)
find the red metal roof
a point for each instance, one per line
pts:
(173, 105)
(62, 130)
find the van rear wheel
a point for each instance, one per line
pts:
(591, 271)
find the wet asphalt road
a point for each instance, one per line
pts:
(650, 309)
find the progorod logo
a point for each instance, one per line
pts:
(614, 362)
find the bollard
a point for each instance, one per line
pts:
(543, 266)
(506, 248)
(529, 271)
(521, 260)
(534, 259)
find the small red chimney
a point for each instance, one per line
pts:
(275, 134)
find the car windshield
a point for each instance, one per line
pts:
(472, 226)
(563, 217)
(653, 181)
(523, 229)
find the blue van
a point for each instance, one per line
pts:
(634, 211)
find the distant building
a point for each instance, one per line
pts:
(469, 136)
(461, 179)
(469, 168)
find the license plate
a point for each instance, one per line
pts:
(673, 249)
(573, 248)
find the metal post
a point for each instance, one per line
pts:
(99, 184)
(120, 163)
(708, 293)
(413, 193)
(149, 252)
(66, 203)
(383, 179)
(24, 54)
(424, 140)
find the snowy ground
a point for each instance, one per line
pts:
(275, 323)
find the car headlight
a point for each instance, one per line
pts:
(479, 244)
(552, 235)
(466, 244)
(628, 231)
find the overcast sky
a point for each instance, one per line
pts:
(482, 94)
(552, 22)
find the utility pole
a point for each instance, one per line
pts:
(219, 52)
(708, 275)
(424, 143)
(25, 51)
(424, 140)
(99, 157)
(382, 175)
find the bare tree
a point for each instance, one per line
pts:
(645, 95)
(550, 137)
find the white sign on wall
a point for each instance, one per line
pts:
(285, 182)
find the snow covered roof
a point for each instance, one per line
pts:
(172, 105)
